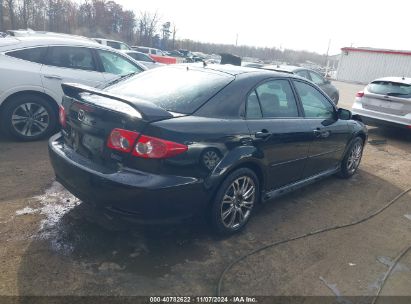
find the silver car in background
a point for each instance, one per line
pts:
(385, 101)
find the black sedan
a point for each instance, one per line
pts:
(178, 141)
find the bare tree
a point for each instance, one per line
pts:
(1, 16)
(12, 16)
(147, 27)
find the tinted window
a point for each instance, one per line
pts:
(277, 99)
(390, 88)
(124, 46)
(303, 73)
(253, 107)
(314, 103)
(33, 54)
(143, 50)
(317, 79)
(113, 44)
(176, 89)
(140, 57)
(116, 64)
(71, 57)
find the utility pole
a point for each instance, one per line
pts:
(326, 58)
(236, 40)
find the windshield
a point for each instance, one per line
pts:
(390, 88)
(176, 89)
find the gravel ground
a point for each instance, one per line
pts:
(52, 244)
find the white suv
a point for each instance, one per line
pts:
(32, 69)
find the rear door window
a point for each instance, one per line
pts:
(36, 54)
(253, 106)
(390, 88)
(116, 64)
(71, 57)
(277, 99)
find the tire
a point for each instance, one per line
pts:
(34, 118)
(352, 158)
(239, 205)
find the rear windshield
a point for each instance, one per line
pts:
(390, 88)
(176, 89)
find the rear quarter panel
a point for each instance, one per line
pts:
(18, 75)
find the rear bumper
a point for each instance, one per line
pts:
(378, 118)
(143, 196)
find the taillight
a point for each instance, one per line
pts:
(359, 94)
(122, 140)
(62, 116)
(151, 147)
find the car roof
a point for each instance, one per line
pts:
(283, 68)
(403, 80)
(104, 39)
(235, 70)
(36, 40)
(134, 52)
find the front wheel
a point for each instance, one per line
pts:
(234, 202)
(352, 159)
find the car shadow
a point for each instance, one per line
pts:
(84, 254)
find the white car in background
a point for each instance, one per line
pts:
(118, 45)
(32, 69)
(385, 101)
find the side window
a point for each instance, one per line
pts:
(33, 54)
(277, 99)
(314, 103)
(123, 46)
(71, 57)
(317, 79)
(303, 73)
(153, 52)
(113, 44)
(116, 64)
(143, 50)
(253, 107)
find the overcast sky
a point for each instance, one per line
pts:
(296, 24)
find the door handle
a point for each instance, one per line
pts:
(53, 77)
(262, 134)
(323, 134)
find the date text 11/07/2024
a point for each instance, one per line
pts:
(182, 299)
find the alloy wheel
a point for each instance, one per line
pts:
(354, 157)
(30, 119)
(238, 202)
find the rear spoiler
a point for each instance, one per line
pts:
(146, 110)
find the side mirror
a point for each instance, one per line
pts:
(326, 81)
(344, 114)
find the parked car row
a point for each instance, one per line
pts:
(33, 68)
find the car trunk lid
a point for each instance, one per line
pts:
(388, 97)
(387, 104)
(91, 115)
